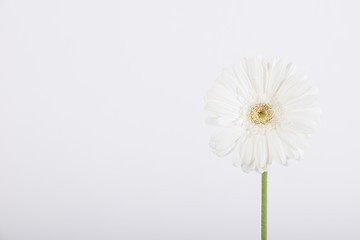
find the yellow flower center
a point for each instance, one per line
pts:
(261, 113)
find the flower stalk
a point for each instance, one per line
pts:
(264, 206)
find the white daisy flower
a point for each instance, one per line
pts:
(265, 110)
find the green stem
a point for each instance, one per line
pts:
(263, 205)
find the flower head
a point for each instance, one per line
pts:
(265, 112)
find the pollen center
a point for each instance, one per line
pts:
(261, 113)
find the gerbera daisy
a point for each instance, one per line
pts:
(265, 110)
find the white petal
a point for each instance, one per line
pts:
(276, 148)
(260, 152)
(277, 74)
(294, 90)
(242, 71)
(229, 79)
(293, 87)
(220, 93)
(224, 141)
(222, 109)
(304, 124)
(246, 156)
(220, 121)
(305, 101)
(271, 153)
(257, 71)
(223, 106)
(243, 80)
(293, 144)
(312, 114)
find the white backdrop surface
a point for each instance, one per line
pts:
(102, 132)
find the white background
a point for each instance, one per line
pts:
(102, 132)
